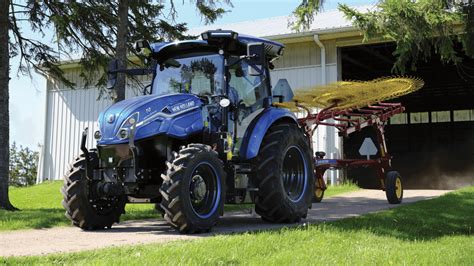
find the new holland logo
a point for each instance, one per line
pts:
(182, 106)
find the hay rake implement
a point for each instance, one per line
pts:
(351, 107)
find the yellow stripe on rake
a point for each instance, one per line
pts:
(353, 94)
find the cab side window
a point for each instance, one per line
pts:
(250, 90)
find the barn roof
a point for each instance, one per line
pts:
(326, 21)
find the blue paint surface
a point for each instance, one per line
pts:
(258, 128)
(178, 126)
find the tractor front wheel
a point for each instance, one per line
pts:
(83, 207)
(284, 175)
(193, 189)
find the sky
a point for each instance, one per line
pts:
(27, 95)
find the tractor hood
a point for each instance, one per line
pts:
(176, 115)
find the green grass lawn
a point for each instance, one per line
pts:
(432, 232)
(339, 189)
(40, 207)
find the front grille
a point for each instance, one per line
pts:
(115, 156)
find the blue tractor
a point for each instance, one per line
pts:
(204, 133)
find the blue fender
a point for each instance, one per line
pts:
(258, 128)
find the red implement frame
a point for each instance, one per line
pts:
(347, 122)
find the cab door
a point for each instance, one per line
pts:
(248, 95)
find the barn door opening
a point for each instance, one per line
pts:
(433, 142)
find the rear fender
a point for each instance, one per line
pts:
(258, 128)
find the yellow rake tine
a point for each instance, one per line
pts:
(353, 94)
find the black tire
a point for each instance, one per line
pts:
(184, 208)
(273, 203)
(159, 209)
(80, 209)
(394, 187)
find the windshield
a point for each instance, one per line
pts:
(199, 74)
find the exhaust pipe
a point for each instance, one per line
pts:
(86, 152)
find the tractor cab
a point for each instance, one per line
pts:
(206, 67)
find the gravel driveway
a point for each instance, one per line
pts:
(71, 239)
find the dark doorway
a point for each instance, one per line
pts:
(433, 142)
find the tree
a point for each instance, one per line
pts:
(88, 28)
(23, 166)
(418, 28)
(4, 112)
(121, 48)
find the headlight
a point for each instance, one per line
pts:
(130, 121)
(97, 135)
(123, 133)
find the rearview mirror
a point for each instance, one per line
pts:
(143, 47)
(256, 58)
(112, 74)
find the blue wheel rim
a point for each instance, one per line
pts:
(294, 174)
(205, 190)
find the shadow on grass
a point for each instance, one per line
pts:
(451, 214)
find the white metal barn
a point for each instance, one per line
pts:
(332, 49)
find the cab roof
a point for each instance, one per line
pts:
(212, 40)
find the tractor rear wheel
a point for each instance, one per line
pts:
(393, 187)
(83, 208)
(284, 175)
(193, 189)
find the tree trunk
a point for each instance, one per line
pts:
(4, 115)
(121, 48)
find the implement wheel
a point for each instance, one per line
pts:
(394, 187)
(83, 206)
(193, 189)
(284, 175)
(318, 195)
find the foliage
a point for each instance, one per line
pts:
(419, 29)
(431, 232)
(304, 14)
(41, 207)
(23, 166)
